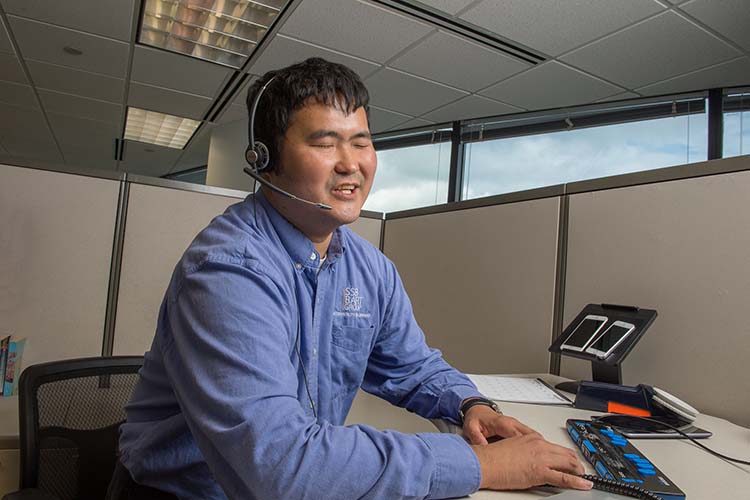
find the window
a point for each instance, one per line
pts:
(411, 177)
(194, 175)
(578, 152)
(736, 124)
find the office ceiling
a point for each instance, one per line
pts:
(62, 108)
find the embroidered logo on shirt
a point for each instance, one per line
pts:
(352, 300)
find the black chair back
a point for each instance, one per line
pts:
(70, 415)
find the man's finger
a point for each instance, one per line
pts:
(563, 480)
(474, 433)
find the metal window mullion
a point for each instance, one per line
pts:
(715, 124)
(455, 177)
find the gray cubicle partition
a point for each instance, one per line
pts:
(482, 282)
(55, 254)
(161, 223)
(681, 247)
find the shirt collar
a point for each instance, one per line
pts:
(298, 246)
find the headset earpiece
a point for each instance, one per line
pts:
(257, 156)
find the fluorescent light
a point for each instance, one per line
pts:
(157, 128)
(222, 31)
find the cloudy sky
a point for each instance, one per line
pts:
(418, 176)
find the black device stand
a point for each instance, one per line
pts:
(608, 369)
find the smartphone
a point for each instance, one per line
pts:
(586, 330)
(606, 342)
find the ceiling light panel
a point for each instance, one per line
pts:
(160, 129)
(221, 31)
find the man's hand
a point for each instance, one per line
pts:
(482, 422)
(525, 461)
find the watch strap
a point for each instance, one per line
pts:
(476, 402)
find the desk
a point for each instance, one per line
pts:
(696, 472)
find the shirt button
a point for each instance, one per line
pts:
(298, 265)
(315, 352)
(312, 256)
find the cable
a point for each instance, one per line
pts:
(302, 365)
(677, 430)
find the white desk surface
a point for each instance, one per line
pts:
(696, 472)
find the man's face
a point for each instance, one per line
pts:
(327, 157)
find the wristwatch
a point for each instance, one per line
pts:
(476, 402)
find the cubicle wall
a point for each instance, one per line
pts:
(485, 281)
(683, 248)
(482, 282)
(55, 255)
(161, 223)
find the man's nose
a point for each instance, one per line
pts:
(347, 162)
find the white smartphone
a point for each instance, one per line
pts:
(584, 333)
(606, 342)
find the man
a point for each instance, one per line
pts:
(277, 314)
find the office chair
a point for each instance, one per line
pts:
(70, 415)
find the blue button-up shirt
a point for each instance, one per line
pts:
(221, 409)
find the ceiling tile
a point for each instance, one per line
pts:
(233, 113)
(111, 18)
(43, 42)
(18, 95)
(239, 98)
(176, 71)
(619, 97)
(24, 133)
(10, 69)
(731, 18)
(451, 7)
(148, 159)
(382, 119)
(168, 101)
(73, 81)
(5, 45)
(473, 106)
(654, 50)
(471, 67)
(550, 85)
(81, 107)
(359, 28)
(416, 122)
(407, 94)
(284, 51)
(728, 74)
(556, 26)
(81, 138)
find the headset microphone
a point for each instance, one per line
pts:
(258, 156)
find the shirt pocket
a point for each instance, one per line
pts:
(350, 352)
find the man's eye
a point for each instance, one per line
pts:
(322, 145)
(361, 145)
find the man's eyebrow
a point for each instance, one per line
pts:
(322, 134)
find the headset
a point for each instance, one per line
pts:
(258, 156)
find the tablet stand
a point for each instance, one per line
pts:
(608, 369)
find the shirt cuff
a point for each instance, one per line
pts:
(457, 472)
(450, 401)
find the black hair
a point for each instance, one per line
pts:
(314, 79)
